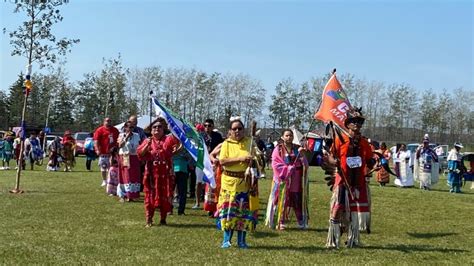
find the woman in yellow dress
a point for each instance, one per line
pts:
(233, 208)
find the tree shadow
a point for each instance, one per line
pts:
(307, 229)
(414, 248)
(430, 235)
(52, 192)
(191, 225)
(262, 234)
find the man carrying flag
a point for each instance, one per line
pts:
(347, 159)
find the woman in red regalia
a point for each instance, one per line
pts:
(158, 181)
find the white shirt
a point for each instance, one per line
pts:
(130, 147)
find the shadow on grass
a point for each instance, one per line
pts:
(415, 248)
(191, 225)
(307, 229)
(53, 192)
(430, 235)
(260, 234)
(307, 249)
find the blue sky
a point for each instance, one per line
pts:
(426, 44)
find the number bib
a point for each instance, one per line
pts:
(354, 162)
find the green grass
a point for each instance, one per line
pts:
(67, 218)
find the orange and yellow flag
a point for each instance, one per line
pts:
(334, 104)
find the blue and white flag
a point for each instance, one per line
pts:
(191, 141)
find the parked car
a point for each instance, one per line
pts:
(80, 138)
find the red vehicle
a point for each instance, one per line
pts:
(80, 138)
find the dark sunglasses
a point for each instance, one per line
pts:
(237, 129)
(208, 125)
(157, 126)
(357, 121)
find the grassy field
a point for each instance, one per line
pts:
(66, 218)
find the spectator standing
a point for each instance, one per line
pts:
(105, 141)
(89, 150)
(212, 139)
(129, 178)
(180, 165)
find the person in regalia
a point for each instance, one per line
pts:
(426, 166)
(351, 156)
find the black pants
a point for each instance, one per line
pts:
(88, 164)
(192, 183)
(181, 184)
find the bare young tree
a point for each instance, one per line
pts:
(34, 40)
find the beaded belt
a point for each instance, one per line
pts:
(235, 174)
(159, 162)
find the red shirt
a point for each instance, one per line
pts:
(342, 152)
(68, 140)
(106, 139)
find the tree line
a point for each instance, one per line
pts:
(117, 92)
(392, 111)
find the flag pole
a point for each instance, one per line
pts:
(151, 106)
(334, 135)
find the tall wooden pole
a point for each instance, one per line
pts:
(17, 189)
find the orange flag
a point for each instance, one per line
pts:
(334, 104)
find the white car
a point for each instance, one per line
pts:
(50, 139)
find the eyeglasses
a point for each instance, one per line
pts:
(157, 126)
(237, 129)
(208, 125)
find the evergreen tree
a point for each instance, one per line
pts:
(110, 88)
(87, 104)
(61, 117)
(15, 102)
(3, 110)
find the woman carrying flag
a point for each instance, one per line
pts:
(157, 151)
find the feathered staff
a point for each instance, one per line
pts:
(252, 172)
